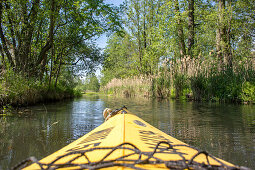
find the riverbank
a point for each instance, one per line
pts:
(184, 88)
(192, 79)
(17, 91)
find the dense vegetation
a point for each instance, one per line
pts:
(90, 84)
(196, 49)
(45, 44)
(203, 50)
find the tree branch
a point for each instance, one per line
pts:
(3, 39)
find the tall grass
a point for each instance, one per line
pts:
(129, 87)
(206, 79)
(196, 78)
(17, 90)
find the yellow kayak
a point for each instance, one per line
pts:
(125, 141)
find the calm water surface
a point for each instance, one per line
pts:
(226, 131)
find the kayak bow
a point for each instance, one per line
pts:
(126, 141)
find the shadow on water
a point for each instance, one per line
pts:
(226, 131)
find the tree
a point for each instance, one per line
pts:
(92, 83)
(220, 30)
(179, 29)
(119, 58)
(242, 32)
(221, 33)
(31, 31)
(191, 27)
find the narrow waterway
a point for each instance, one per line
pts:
(224, 130)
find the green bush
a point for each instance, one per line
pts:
(161, 87)
(248, 92)
(180, 83)
(19, 90)
(199, 87)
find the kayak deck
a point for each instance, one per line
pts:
(126, 141)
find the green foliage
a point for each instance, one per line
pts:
(161, 86)
(92, 83)
(199, 87)
(248, 92)
(220, 63)
(118, 63)
(18, 90)
(45, 44)
(80, 87)
(180, 84)
(225, 85)
(138, 50)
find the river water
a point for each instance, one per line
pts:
(224, 130)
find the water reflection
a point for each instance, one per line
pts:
(86, 116)
(226, 131)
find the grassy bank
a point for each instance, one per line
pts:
(193, 79)
(18, 91)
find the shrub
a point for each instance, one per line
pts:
(180, 83)
(161, 86)
(199, 87)
(248, 92)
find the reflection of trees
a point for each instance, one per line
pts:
(217, 128)
(47, 130)
(86, 115)
(248, 115)
(31, 136)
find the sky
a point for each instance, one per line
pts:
(101, 41)
(115, 2)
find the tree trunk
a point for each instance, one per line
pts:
(25, 38)
(228, 55)
(58, 71)
(2, 64)
(218, 47)
(51, 66)
(191, 27)
(49, 44)
(222, 42)
(3, 39)
(144, 26)
(182, 47)
(10, 20)
(139, 38)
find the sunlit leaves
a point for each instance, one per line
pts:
(153, 30)
(49, 39)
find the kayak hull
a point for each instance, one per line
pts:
(126, 141)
